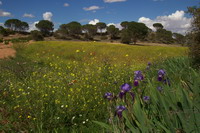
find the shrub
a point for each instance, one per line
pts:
(195, 47)
(20, 40)
(3, 31)
(125, 37)
(6, 42)
(195, 54)
(37, 35)
(104, 37)
(1, 40)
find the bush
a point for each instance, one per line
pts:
(195, 47)
(3, 31)
(194, 53)
(20, 40)
(1, 40)
(104, 37)
(125, 37)
(37, 35)
(6, 42)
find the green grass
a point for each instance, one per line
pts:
(59, 86)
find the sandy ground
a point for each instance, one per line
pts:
(6, 51)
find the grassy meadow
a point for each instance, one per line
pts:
(60, 86)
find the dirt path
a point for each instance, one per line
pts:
(6, 51)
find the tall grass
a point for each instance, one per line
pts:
(59, 86)
(173, 107)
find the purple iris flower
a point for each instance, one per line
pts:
(137, 77)
(146, 98)
(148, 65)
(161, 74)
(136, 83)
(108, 96)
(119, 110)
(124, 89)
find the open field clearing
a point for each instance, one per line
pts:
(59, 86)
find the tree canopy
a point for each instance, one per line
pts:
(124, 24)
(73, 28)
(158, 26)
(89, 31)
(136, 31)
(164, 36)
(16, 25)
(45, 26)
(179, 38)
(101, 26)
(112, 31)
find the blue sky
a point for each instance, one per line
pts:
(84, 11)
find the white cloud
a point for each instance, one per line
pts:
(32, 26)
(91, 8)
(47, 16)
(66, 4)
(26, 15)
(118, 25)
(4, 14)
(112, 1)
(94, 22)
(1, 24)
(176, 22)
(1, 3)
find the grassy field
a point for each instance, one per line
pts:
(59, 86)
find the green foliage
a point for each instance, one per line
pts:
(151, 37)
(6, 42)
(133, 31)
(158, 26)
(37, 35)
(174, 108)
(125, 36)
(164, 36)
(20, 40)
(16, 25)
(45, 26)
(124, 24)
(59, 86)
(3, 31)
(72, 29)
(195, 47)
(101, 26)
(63, 29)
(179, 38)
(89, 31)
(1, 40)
(113, 31)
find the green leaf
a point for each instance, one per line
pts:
(104, 125)
(129, 125)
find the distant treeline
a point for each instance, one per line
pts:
(131, 32)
